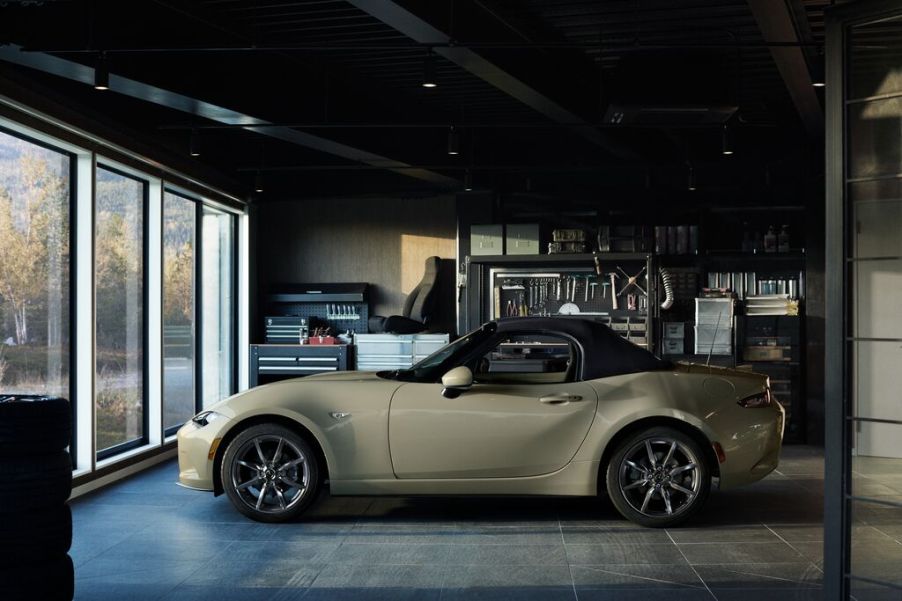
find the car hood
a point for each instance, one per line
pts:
(345, 376)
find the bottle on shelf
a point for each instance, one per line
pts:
(748, 244)
(783, 240)
(770, 240)
(303, 333)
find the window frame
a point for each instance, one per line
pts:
(147, 406)
(86, 150)
(498, 339)
(33, 137)
(170, 431)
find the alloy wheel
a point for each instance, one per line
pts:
(659, 477)
(270, 474)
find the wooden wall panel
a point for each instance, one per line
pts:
(383, 241)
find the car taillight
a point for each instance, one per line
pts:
(756, 401)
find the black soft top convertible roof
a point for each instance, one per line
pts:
(605, 352)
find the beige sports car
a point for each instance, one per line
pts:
(520, 406)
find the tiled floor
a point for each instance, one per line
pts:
(145, 538)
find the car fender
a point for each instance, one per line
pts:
(254, 415)
(349, 421)
(604, 430)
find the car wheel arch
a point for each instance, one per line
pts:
(650, 422)
(255, 420)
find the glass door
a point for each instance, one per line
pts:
(863, 510)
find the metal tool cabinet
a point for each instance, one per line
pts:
(280, 361)
(375, 352)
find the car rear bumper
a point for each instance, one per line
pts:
(754, 451)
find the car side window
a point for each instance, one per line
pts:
(527, 359)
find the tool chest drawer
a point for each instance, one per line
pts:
(374, 352)
(291, 360)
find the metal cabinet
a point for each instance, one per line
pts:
(376, 352)
(279, 361)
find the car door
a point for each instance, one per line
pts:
(525, 415)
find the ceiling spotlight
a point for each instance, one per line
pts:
(691, 182)
(468, 181)
(101, 73)
(258, 183)
(817, 74)
(192, 144)
(429, 70)
(726, 148)
(453, 141)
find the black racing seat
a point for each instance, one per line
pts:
(419, 307)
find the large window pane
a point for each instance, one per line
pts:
(34, 268)
(217, 305)
(178, 310)
(119, 290)
(875, 151)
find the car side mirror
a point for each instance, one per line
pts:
(456, 381)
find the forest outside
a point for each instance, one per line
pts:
(34, 268)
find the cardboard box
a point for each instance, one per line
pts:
(522, 239)
(486, 239)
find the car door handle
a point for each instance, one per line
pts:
(559, 399)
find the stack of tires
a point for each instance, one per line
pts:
(35, 483)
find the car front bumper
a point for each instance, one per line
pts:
(197, 447)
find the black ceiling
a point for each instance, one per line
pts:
(529, 85)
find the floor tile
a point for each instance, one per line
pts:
(785, 594)
(624, 554)
(633, 576)
(493, 576)
(752, 533)
(761, 575)
(741, 553)
(507, 555)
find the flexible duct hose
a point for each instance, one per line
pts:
(668, 289)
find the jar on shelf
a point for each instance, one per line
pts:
(770, 240)
(783, 240)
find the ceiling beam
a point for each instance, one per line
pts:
(193, 106)
(775, 21)
(419, 30)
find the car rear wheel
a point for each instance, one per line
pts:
(658, 477)
(270, 473)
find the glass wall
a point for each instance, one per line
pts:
(109, 275)
(872, 102)
(119, 309)
(179, 221)
(218, 305)
(35, 196)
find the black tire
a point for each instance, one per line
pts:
(657, 493)
(244, 486)
(52, 580)
(33, 536)
(33, 483)
(32, 425)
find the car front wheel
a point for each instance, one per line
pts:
(270, 473)
(658, 477)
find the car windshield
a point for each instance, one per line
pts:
(440, 360)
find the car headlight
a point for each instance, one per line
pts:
(205, 417)
(757, 401)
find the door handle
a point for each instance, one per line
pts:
(559, 399)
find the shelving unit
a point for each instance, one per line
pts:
(565, 285)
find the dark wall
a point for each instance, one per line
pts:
(380, 240)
